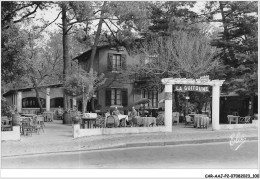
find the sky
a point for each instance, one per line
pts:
(52, 13)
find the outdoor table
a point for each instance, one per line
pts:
(192, 116)
(233, 118)
(89, 121)
(146, 121)
(48, 115)
(201, 121)
(23, 117)
(29, 115)
(120, 117)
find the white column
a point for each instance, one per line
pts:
(19, 101)
(168, 107)
(48, 99)
(215, 106)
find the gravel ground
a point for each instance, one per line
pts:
(58, 138)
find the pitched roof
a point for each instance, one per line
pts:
(88, 52)
(30, 88)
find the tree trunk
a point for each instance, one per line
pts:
(85, 105)
(66, 60)
(93, 105)
(251, 111)
(176, 97)
(94, 47)
(93, 53)
(38, 98)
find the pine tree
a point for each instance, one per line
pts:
(238, 44)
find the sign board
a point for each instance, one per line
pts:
(198, 88)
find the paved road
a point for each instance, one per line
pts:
(215, 155)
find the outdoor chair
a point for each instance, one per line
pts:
(134, 122)
(59, 115)
(188, 121)
(40, 122)
(49, 117)
(110, 122)
(100, 122)
(122, 123)
(6, 124)
(175, 117)
(35, 126)
(160, 120)
(235, 113)
(245, 120)
(27, 128)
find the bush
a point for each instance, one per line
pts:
(6, 110)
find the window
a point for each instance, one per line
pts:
(152, 96)
(31, 102)
(56, 102)
(116, 62)
(116, 96)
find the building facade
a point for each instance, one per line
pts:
(116, 92)
(25, 100)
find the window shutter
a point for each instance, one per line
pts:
(109, 61)
(123, 58)
(124, 97)
(108, 97)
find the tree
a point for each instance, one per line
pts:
(83, 84)
(238, 44)
(181, 55)
(12, 44)
(106, 11)
(170, 16)
(41, 63)
(13, 13)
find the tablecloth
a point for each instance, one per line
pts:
(201, 121)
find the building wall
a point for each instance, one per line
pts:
(103, 56)
(112, 81)
(101, 66)
(9, 99)
(54, 93)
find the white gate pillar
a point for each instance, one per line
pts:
(168, 107)
(48, 99)
(19, 102)
(215, 105)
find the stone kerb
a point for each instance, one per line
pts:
(236, 126)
